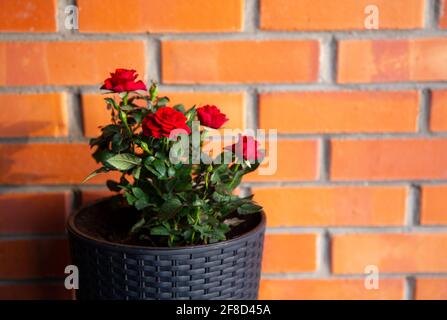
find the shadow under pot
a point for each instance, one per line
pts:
(109, 269)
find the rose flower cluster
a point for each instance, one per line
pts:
(178, 203)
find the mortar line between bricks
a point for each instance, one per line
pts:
(251, 113)
(349, 230)
(324, 253)
(409, 288)
(413, 206)
(232, 87)
(328, 61)
(324, 159)
(74, 115)
(257, 185)
(423, 121)
(43, 280)
(32, 236)
(265, 276)
(431, 14)
(359, 276)
(281, 137)
(251, 16)
(360, 34)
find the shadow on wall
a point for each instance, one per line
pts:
(33, 221)
(12, 169)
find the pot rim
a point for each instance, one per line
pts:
(72, 228)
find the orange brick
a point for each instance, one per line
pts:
(296, 160)
(388, 159)
(230, 103)
(33, 212)
(34, 292)
(330, 15)
(95, 113)
(443, 18)
(433, 205)
(28, 15)
(392, 60)
(329, 289)
(160, 16)
(35, 115)
(325, 112)
(333, 206)
(239, 61)
(289, 253)
(431, 289)
(67, 63)
(390, 252)
(438, 112)
(39, 163)
(36, 258)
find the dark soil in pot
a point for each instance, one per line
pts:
(111, 220)
(113, 265)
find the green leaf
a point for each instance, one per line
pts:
(102, 155)
(112, 102)
(171, 172)
(159, 165)
(159, 231)
(138, 225)
(249, 208)
(124, 161)
(162, 101)
(179, 107)
(136, 172)
(130, 198)
(94, 173)
(170, 207)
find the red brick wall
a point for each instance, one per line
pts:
(361, 116)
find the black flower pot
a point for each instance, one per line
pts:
(225, 270)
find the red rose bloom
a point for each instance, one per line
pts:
(246, 148)
(163, 121)
(123, 80)
(210, 116)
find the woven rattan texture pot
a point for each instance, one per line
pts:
(225, 270)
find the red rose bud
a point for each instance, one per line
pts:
(123, 80)
(247, 148)
(163, 121)
(210, 116)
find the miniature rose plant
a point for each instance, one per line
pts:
(178, 203)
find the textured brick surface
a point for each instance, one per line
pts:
(392, 60)
(161, 16)
(334, 15)
(46, 214)
(39, 163)
(239, 61)
(28, 15)
(27, 259)
(35, 115)
(433, 205)
(333, 206)
(326, 112)
(329, 289)
(390, 252)
(34, 292)
(388, 159)
(66, 63)
(431, 289)
(290, 253)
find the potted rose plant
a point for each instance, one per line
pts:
(175, 230)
